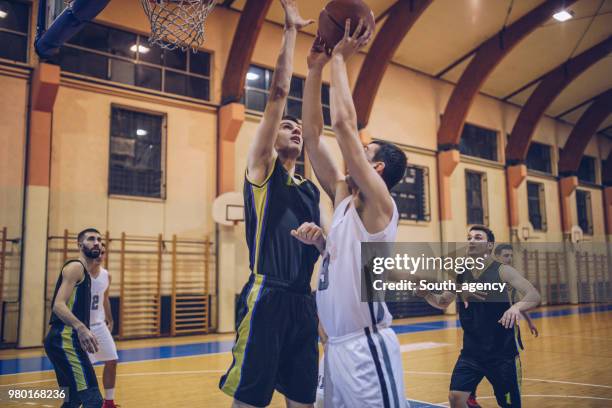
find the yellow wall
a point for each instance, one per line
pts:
(13, 106)
(79, 171)
(12, 178)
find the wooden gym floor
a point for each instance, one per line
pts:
(569, 365)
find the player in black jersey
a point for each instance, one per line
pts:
(276, 328)
(69, 338)
(504, 253)
(490, 326)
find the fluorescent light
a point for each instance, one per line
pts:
(140, 48)
(141, 132)
(563, 15)
(3, 14)
(251, 76)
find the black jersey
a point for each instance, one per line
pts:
(483, 336)
(272, 209)
(79, 302)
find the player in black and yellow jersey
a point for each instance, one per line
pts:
(490, 328)
(276, 340)
(69, 338)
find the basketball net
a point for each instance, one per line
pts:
(177, 23)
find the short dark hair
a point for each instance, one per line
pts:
(292, 119)
(486, 230)
(502, 247)
(395, 162)
(85, 231)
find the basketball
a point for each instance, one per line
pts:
(334, 15)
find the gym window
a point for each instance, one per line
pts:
(536, 206)
(586, 170)
(411, 194)
(137, 155)
(120, 56)
(478, 142)
(585, 211)
(14, 27)
(257, 91)
(475, 197)
(538, 158)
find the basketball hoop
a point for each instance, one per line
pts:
(228, 209)
(576, 234)
(177, 23)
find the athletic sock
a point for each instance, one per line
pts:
(109, 394)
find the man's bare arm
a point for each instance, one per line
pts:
(344, 122)
(261, 153)
(531, 297)
(107, 307)
(323, 165)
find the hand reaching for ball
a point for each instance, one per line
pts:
(350, 44)
(318, 57)
(292, 15)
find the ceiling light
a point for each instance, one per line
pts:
(141, 132)
(140, 48)
(3, 14)
(563, 15)
(252, 76)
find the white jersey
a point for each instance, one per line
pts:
(98, 289)
(339, 304)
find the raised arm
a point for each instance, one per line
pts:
(344, 122)
(323, 165)
(72, 274)
(261, 153)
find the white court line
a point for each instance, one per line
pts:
(126, 363)
(524, 379)
(172, 373)
(445, 404)
(421, 346)
(424, 402)
(406, 372)
(124, 375)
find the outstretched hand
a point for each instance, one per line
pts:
(350, 44)
(292, 15)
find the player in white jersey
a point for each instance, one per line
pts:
(363, 365)
(101, 324)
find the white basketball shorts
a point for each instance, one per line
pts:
(364, 369)
(107, 351)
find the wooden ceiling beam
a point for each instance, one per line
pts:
(586, 127)
(553, 83)
(243, 45)
(402, 16)
(488, 56)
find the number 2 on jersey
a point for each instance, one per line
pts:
(95, 301)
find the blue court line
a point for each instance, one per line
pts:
(42, 363)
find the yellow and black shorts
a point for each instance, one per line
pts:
(276, 346)
(71, 363)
